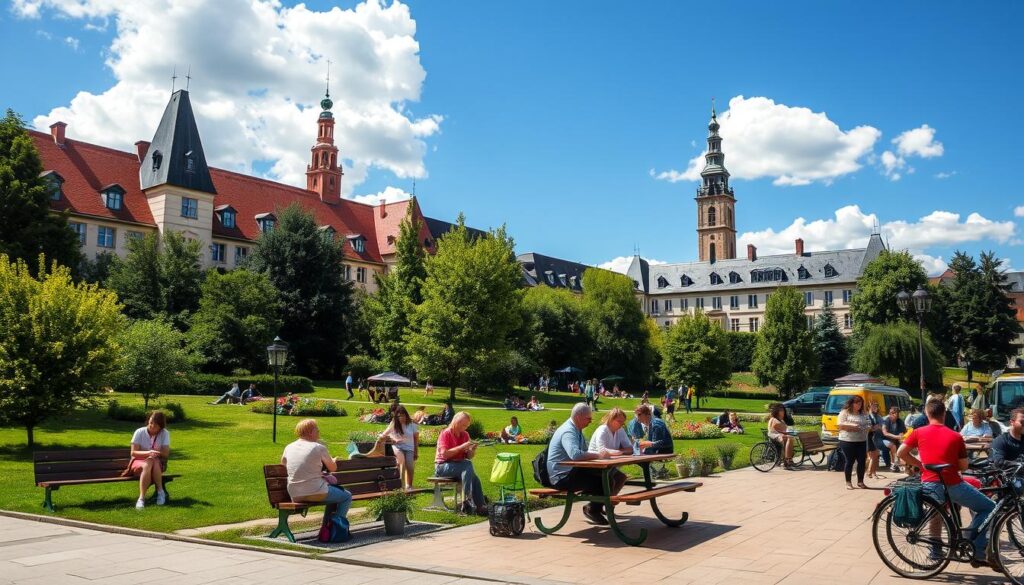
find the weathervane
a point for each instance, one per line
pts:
(188, 77)
(328, 78)
(174, 77)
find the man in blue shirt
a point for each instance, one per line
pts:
(348, 386)
(644, 425)
(568, 444)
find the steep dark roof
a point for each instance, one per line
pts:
(553, 272)
(439, 227)
(175, 142)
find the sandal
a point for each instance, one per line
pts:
(849, 486)
(862, 486)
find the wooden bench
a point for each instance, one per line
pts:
(632, 497)
(811, 444)
(56, 469)
(438, 502)
(365, 478)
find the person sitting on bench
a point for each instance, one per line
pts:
(151, 446)
(306, 458)
(455, 450)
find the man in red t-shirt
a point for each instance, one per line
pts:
(937, 444)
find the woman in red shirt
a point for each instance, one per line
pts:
(455, 451)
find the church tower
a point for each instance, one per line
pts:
(323, 174)
(716, 219)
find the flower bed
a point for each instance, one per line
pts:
(695, 430)
(296, 406)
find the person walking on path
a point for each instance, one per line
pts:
(670, 404)
(956, 406)
(853, 439)
(348, 386)
(589, 394)
(688, 402)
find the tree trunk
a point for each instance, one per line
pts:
(31, 436)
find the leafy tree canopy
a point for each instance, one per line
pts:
(830, 347)
(621, 340)
(696, 351)
(982, 323)
(784, 355)
(892, 350)
(154, 359)
(883, 278)
(155, 281)
(557, 335)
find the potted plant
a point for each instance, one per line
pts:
(693, 462)
(682, 468)
(393, 507)
(727, 451)
(708, 461)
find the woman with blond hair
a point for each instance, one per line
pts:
(455, 451)
(306, 458)
(611, 435)
(151, 445)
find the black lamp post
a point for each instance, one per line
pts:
(922, 303)
(277, 353)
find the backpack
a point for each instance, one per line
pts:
(540, 468)
(906, 506)
(333, 528)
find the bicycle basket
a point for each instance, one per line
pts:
(907, 510)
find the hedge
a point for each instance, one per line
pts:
(217, 384)
(772, 396)
(302, 407)
(172, 411)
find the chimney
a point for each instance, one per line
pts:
(799, 246)
(141, 148)
(751, 252)
(383, 211)
(57, 131)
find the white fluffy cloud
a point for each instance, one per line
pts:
(389, 195)
(621, 263)
(792, 145)
(850, 227)
(257, 78)
(1018, 211)
(918, 142)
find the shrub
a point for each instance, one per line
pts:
(540, 436)
(217, 384)
(428, 436)
(364, 366)
(132, 413)
(296, 406)
(695, 430)
(393, 501)
(740, 394)
(476, 430)
(708, 460)
(727, 449)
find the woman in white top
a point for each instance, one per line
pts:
(405, 437)
(306, 458)
(977, 428)
(151, 445)
(777, 431)
(853, 438)
(611, 435)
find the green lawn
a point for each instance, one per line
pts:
(220, 450)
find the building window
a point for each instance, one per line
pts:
(734, 302)
(754, 324)
(360, 274)
(766, 297)
(241, 253)
(734, 278)
(133, 235)
(828, 298)
(668, 305)
(227, 219)
(752, 301)
(189, 208)
(734, 324)
(808, 299)
(698, 303)
(217, 253)
(105, 237)
(56, 184)
(266, 224)
(848, 321)
(830, 272)
(113, 198)
(711, 216)
(684, 304)
(767, 275)
(716, 303)
(685, 281)
(803, 273)
(549, 275)
(79, 229)
(662, 282)
(359, 245)
(810, 322)
(654, 306)
(847, 295)
(346, 272)
(715, 278)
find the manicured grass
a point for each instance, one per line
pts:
(220, 450)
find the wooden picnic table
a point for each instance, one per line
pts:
(650, 492)
(979, 446)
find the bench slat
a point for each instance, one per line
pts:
(353, 477)
(72, 466)
(685, 486)
(366, 463)
(96, 480)
(81, 455)
(79, 475)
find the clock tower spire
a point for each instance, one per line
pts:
(716, 220)
(323, 173)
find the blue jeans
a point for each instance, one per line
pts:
(970, 498)
(342, 497)
(472, 491)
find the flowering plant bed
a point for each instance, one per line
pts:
(296, 406)
(695, 430)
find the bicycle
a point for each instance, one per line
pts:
(925, 550)
(767, 454)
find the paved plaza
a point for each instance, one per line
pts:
(745, 527)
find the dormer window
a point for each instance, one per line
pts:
(830, 272)
(227, 216)
(715, 278)
(113, 197)
(427, 243)
(562, 280)
(358, 243)
(158, 158)
(550, 276)
(662, 282)
(266, 221)
(803, 273)
(55, 183)
(190, 162)
(685, 280)
(572, 282)
(734, 278)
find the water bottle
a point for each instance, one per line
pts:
(636, 446)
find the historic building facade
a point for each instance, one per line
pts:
(734, 291)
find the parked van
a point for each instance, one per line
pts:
(886, 396)
(1004, 394)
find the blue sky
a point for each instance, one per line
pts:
(559, 118)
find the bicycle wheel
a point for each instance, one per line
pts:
(919, 552)
(763, 457)
(1006, 545)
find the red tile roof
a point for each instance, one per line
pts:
(86, 168)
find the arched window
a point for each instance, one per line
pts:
(728, 213)
(711, 256)
(711, 216)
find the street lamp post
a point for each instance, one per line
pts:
(277, 353)
(922, 303)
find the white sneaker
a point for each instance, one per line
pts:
(140, 504)
(161, 498)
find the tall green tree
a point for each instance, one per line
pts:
(830, 346)
(621, 340)
(238, 313)
(982, 322)
(883, 278)
(28, 228)
(157, 280)
(891, 350)
(784, 355)
(154, 359)
(397, 295)
(304, 265)
(470, 309)
(556, 333)
(696, 351)
(58, 343)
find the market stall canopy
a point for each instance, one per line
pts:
(390, 378)
(858, 379)
(569, 370)
(612, 378)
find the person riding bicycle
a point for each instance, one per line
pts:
(937, 444)
(1009, 446)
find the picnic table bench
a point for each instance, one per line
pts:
(650, 493)
(365, 478)
(57, 469)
